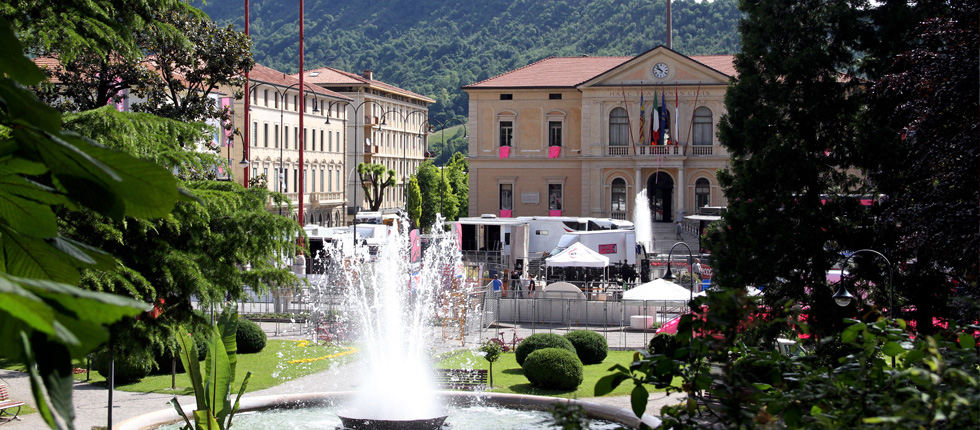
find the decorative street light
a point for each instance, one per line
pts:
(405, 118)
(442, 132)
(354, 201)
(844, 298)
(670, 276)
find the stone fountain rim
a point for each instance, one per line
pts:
(623, 416)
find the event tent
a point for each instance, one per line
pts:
(577, 255)
(658, 289)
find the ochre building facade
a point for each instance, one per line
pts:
(562, 136)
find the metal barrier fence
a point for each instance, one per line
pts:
(626, 324)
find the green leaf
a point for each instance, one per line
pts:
(36, 382)
(87, 255)
(188, 357)
(914, 356)
(967, 341)
(30, 258)
(638, 399)
(26, 208)
(92, 306)
(17, 303)
(792, 415)
(892, 348)
(608, 383)
(149, 190)
(13, 63)
(238, 398)
(54, 366)
(203, 420)
(216, 371)
(180, 411)
(851, 332)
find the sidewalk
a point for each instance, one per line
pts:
(91, 401)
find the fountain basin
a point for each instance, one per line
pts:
(372, 424)
(622, 416)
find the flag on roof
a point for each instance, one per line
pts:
(643, 118)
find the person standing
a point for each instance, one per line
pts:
(696, 270)
(530, 286)
(680, 231)
(496, 284)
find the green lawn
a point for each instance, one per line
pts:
(508, 377)
(269, 368)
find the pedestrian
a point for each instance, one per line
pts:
(696, 271)
(530, 286)
(680, 231)
(496, 284)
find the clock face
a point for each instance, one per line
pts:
(660, 70)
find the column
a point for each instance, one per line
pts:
(681, 187)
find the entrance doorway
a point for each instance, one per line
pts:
(660, 188)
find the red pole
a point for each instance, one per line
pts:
(245, 141)
(302, 113)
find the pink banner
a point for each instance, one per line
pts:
(504, 151)
(506, 213)
(609, 248)
(553, 151)
(554, 213)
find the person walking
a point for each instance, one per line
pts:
(680, 231)
(496, 284)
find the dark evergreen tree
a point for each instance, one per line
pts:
(929, 101)
(789, 129)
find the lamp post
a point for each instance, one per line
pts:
(442, 172)
(282, 126)
(405, 118)
(301, 111)
(354, 201)
(843, 297)
(670, 276)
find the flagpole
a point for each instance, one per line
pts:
(690, 129)
(629, 124)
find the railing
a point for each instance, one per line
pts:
(619, 215)
(661, 150)
(332, 196)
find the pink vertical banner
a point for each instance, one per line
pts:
(225, 104)
(553, 151)
(504, 151)
(416, 246)
(554, 212)
(506, 213)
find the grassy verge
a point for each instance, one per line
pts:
(508, 377)
(280, 361)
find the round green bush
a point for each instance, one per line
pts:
(665, 344)
(250, 337)
(538, 341)
(554, 368)
(128, 368)
(164, 359)
(590, 346)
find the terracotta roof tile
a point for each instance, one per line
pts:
(272, 76)
(328, 76)
(553, 72)
(722, 63)
(569, 72)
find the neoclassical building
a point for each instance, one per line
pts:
(562, 136)
(275, 101)
(387, 125)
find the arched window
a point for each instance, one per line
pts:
(618, 196)
(702, 193)
(703, 134)
(619, 132)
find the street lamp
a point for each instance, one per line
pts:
(282, 127)
(844, 298)
(670, 276)
(405, 117)
(442, 136)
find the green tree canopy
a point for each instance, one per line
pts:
(375, 180)
(413, 201)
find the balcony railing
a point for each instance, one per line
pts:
(658, 150)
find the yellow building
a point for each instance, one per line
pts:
(562, 136)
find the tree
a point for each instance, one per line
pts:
(46, 319)
(413, 201)
(375, 180)
(459, 180)
(192, 65)
(91, 80)
(437, 194)
(789, 129)
(198, 252)
(929, 99)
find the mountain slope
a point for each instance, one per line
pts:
(434, 47)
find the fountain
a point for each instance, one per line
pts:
(642, 220)
(392, 303)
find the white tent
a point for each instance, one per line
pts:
(660, 290)
(578, 255)
(560, 290)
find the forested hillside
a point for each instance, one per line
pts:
(434, 47)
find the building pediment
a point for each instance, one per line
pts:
(662, 66)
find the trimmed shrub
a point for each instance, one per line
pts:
(554, 368)
(249, 336)
(665, 344)
(538, 341)
(164, 359)
(590, 346)
(128, 369)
